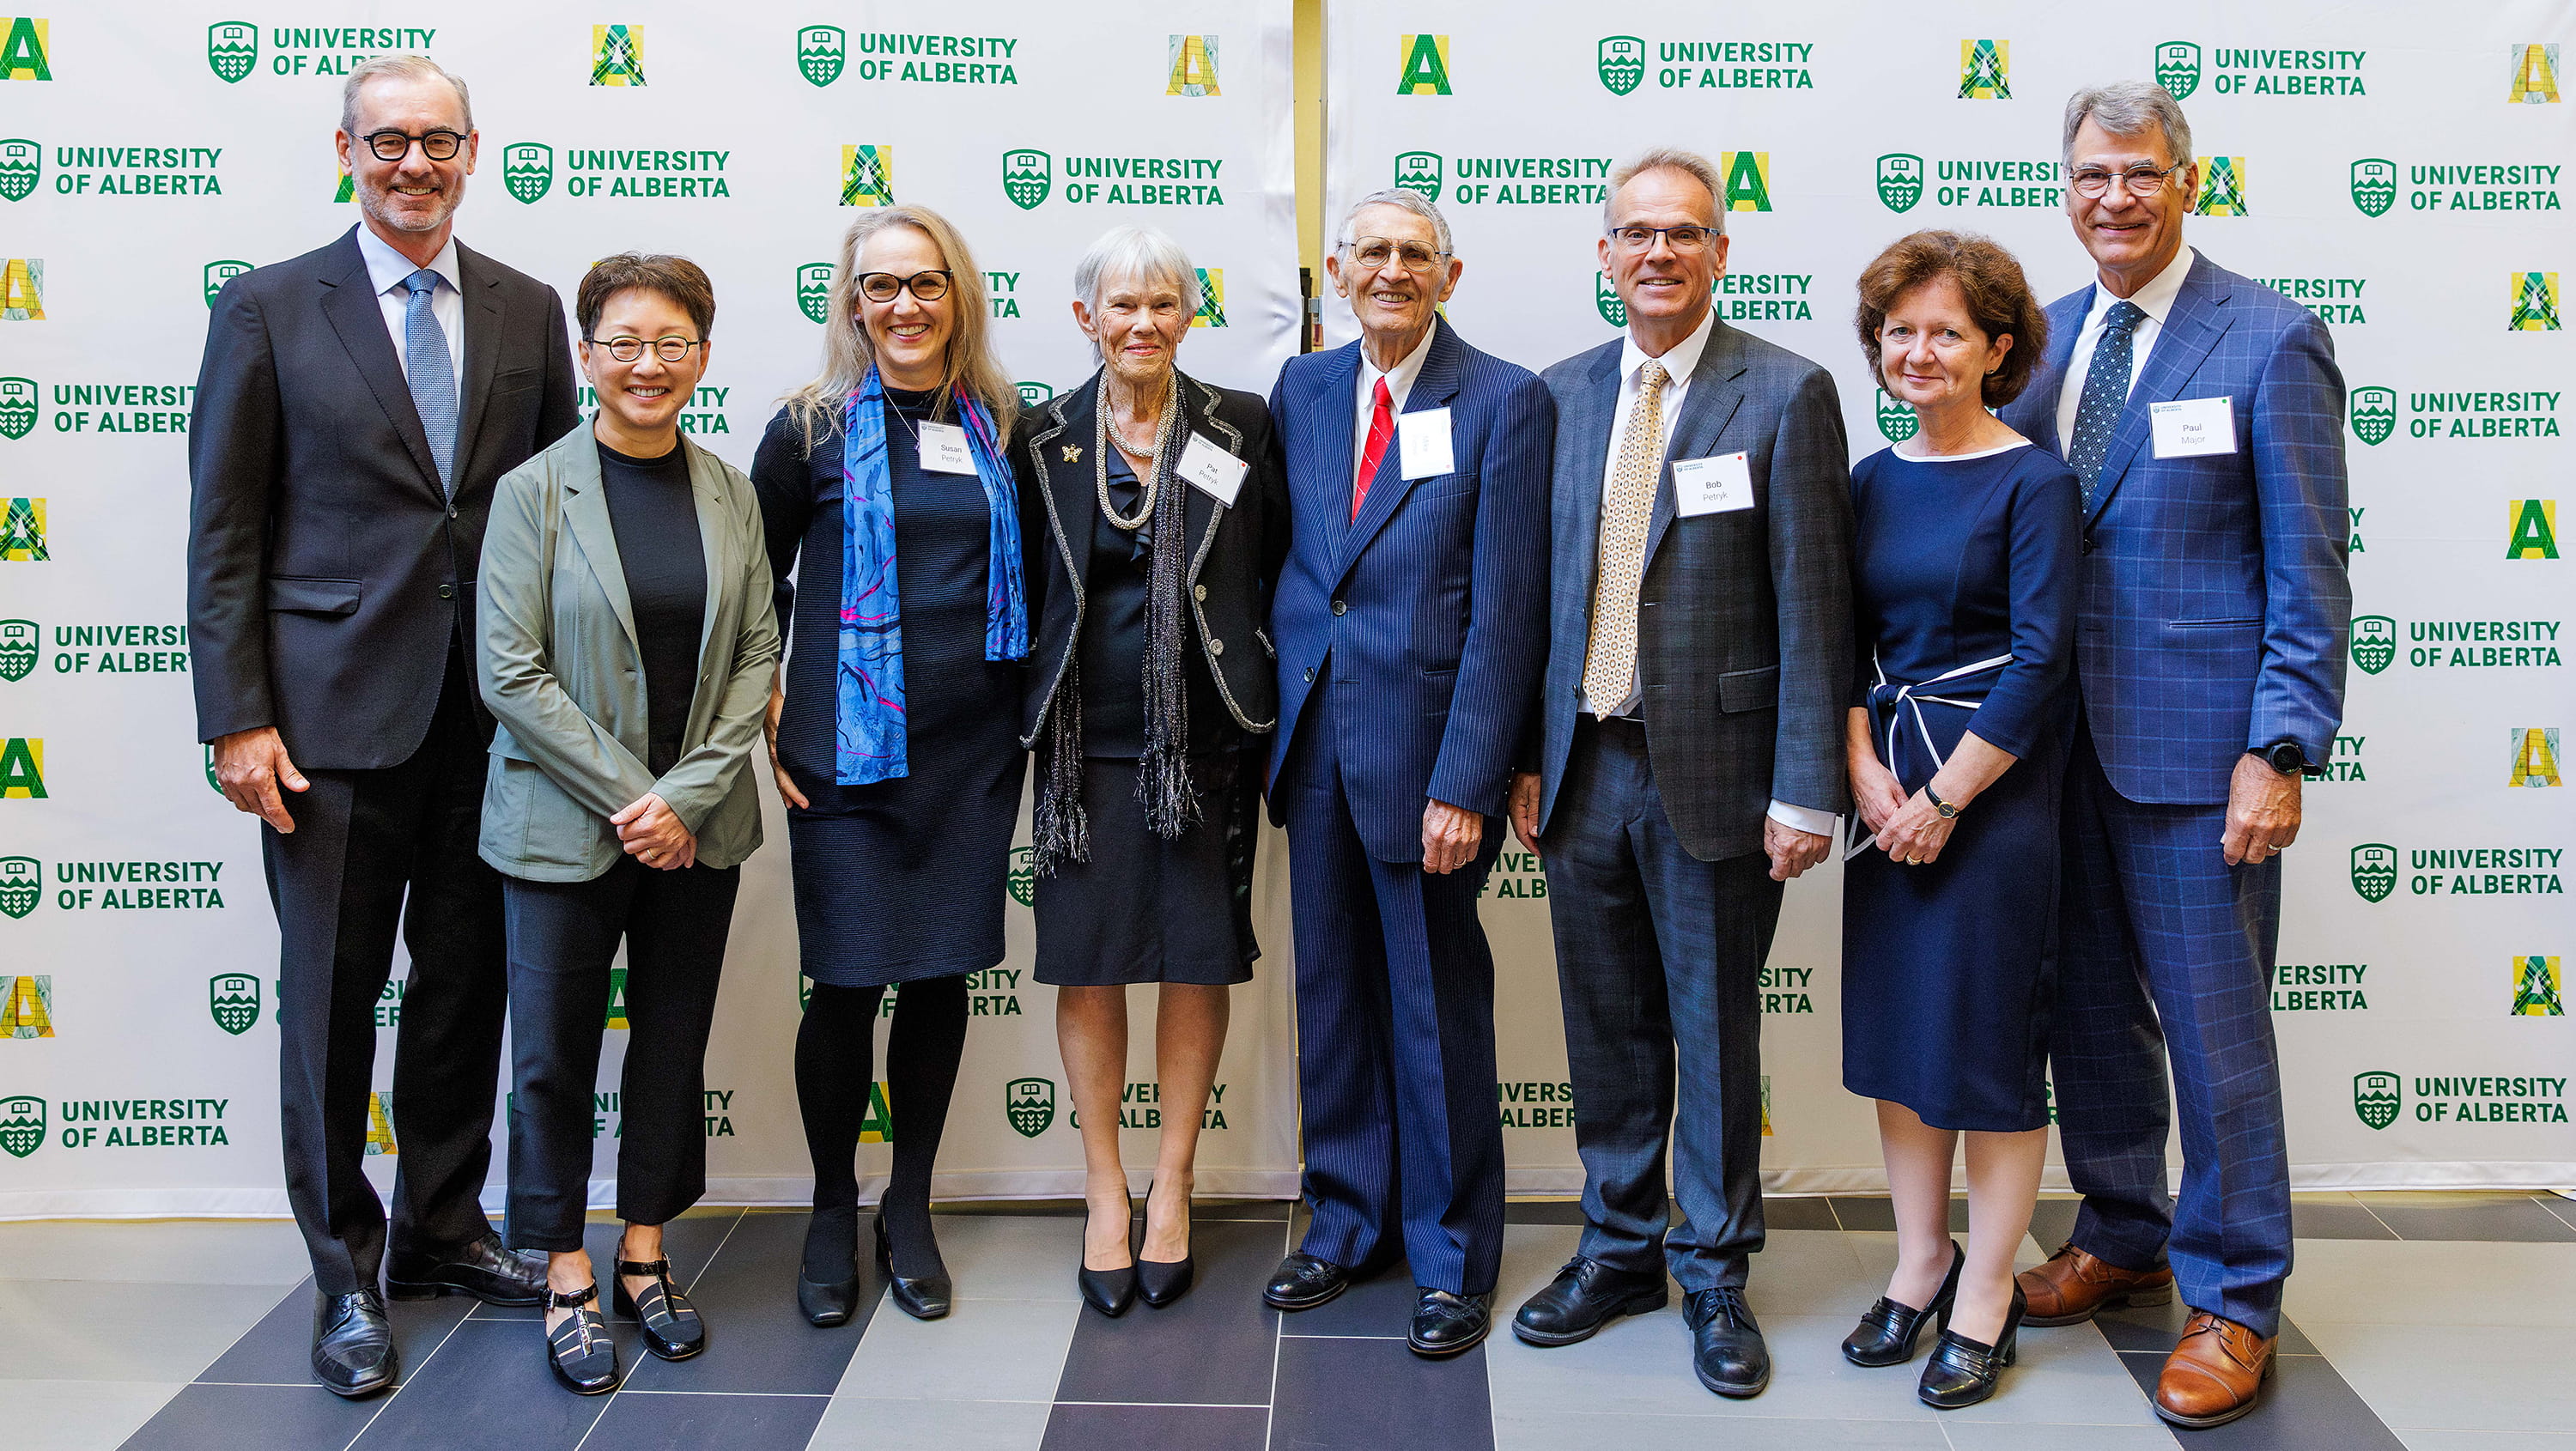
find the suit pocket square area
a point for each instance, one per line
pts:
(313, 596)
(2242, 624)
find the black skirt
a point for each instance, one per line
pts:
(1148, 910)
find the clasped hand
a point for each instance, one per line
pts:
(1908, 828)
(654, 835)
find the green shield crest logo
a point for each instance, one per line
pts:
(2178, 68)
(212, 784)
(820, 50)
(1024, 871)
(1029, 1103)
(814, 290)
(233, 998)
(1623, 63)
(17, 407)
(528, 169)
(2377, 1097)
(2374, 644)
(2374, 871)
(2374, 186)
(1896, 420)
(22, 885)
(1419, 171)
(2374, 414)
(22, 1124)
(219, 273)
(1900, 180)
(1027, 177)
(1614, 309)
(232, 49)
(22, 162)
(18, 652)
(1032, 395)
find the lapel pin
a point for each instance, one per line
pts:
(1073, 453)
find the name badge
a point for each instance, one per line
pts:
(2193, 427)
(944, 451)
(1422, 443)
(1716, 485)
(1211, 470)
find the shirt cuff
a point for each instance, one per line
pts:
(1805, 818)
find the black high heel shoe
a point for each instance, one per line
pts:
(1160, 1282)
(1887, 1333)
(1963, 1372)
(1108, 1291)
(926, 1298)
(673, 1329)
(579, 1351)
(832, 1251)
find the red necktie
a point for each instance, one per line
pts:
(1381, 433)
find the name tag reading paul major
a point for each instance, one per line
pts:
(2193, 427)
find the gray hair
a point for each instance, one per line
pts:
(2129, 108)
(1402, 200)
(402, 67)
(1670, 158)
(1139, 252)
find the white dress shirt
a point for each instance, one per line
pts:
(387, 269)
(2156, 300)
(1399, 385)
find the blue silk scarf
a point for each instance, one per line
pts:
(869, 741)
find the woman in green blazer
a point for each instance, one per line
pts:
(628, 640)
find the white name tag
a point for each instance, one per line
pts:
(1212, 470)
(1422, 443)
(944, 451)
(1715, 485)
(2192, 427)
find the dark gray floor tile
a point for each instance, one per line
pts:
(687, 1241)
(2307, 1407)
(648, 1422)
(279, 1349)
(2514, 1220)
(1128, 1428)
(757, 1341)
(1543, 1211)
(2132, 1328)
(2052, 1222)
(2563, 1209)
(1379, 1305)
(1034, 1208)
(1805, 1212)
(1875, 1212)
(487, 1389)
(1266, 1211)
(1366, 1395)
(1211, 1346)
(254, 1418)
(2309, 1220)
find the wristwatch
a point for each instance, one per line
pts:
(1948, 811)
(2284, 756)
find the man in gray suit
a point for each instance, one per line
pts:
(1687, 756)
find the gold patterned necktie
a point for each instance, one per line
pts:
(1610, 663)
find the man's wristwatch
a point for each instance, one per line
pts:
(1948, 811)
(2285, 757)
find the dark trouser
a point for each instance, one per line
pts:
(2167, 952)
(1395, 1033)
(1658, 955)
(563, 935)
(364, 841)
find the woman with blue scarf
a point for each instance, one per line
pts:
(893, 739)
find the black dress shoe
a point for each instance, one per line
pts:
(1886, 1334)
(827, 1284)
(1445, 1324)
(1963, 1372)
(1583, 1297)
(1726, 1344)
(673, 1329)
(1303, 1282)
(1110, 1292)
(579, 1351)
(923, 1298)
(353, 1347)
(483, 1268)
(1160, 1282)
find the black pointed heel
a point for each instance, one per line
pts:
(1110, 1292)
(1963, 1372)
(1160, 1282)
(1887, 1333)
(672, 1327)
(831, 1252)
(925, 1298)
(579, 1351)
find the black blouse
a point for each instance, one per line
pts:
(655, 521)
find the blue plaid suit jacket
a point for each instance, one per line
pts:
(2215, 605)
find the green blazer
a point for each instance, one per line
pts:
(561, 669)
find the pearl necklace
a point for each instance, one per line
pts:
(1153, 479)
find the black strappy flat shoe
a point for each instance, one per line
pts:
(672, 1329)
(579, 1351)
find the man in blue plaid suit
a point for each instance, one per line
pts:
(2203, 414)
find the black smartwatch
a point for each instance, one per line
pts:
(2282, 756)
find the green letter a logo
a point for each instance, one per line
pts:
(1426, 66)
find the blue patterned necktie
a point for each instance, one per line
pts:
(433, 375)
(2106, 392)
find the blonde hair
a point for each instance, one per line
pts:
(848, 352)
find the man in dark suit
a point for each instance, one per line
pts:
(355, 407)
(1688, 755)
(2203, 415)
(1408, 621)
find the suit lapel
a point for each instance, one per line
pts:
(1200, 513)
(2188, 334)
(1577, 493)
(483, 318)
(1434, 387)
(585, 512)
(1336, 415)
(1707, 408)
(1072, 483)
(715, 539)
(349, 302)
(2065, 325)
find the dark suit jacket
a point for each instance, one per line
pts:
(327, 576)
(1429, 610)
(2214, 606)
(1744, 650)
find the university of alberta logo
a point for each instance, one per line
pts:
(2535, 76)
(1190, 62)
(233, 999)
(2374, 644)
(1419, 171)
(1623, 63)
(2535, 756)
(26, 1007)
(1032, 395)
(1211, 311)
(821, 50)
(2535, 303)
(2377, 1097)
(2535, 988)
(22, 1125)
(814, 290)
(232, 49)
(219, 273)
(1027, 177)
(22, 885)
(1900, 180)
(1425, 69)
(2222, 187)
(2178, 68)
(26, 48)
(22, 531)
(867, 176)
(22, 164)
(1614, 308)
(617, 55)
(2532, 529)
(22, 289)
(1023, 881)
(1896, 420)
(17, 415)
(1985, 70)
(380, 1124)
(528, 169)
(2374, 414)
(19, 649)
(2374, 185)
(1029, 1103)
(2374, 871)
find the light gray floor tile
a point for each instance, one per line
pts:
(2488, 1440)
(1532, 1254)
(161, 1251)
(856, 1425)
(1812, 1272)
(984, 1350)
(2454, 1377)
(2433, 1282)
(2002, 1436)
(1538, 1430)
(84, 1330)
(79, 1415)
(991, 1257)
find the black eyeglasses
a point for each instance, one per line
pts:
(627, 350)
(395, 145)
(885, 286)
(2138, 181)
(1680, 239)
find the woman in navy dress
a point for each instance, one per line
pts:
(1967, 543)
(884, 484)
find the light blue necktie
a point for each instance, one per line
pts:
(433, 375)
(2106, 393)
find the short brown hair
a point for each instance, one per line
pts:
(676, 278)
(1999, 301)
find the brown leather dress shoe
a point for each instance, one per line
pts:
(2073, 1284)
(2214, 1374)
